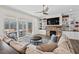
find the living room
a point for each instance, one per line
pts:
(29, 30)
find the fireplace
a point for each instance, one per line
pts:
(53, 29)
(52, 32)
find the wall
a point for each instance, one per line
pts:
(71, 34)
(42, 32)
(6, 12)
(50, 16)
(1, 25)
(35, 27)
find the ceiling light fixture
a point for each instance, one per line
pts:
(45, 10)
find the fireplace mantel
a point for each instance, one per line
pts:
(55, 25)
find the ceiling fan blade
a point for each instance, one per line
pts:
(39, 12)
(44, 11)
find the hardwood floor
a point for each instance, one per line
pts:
(75, 45)
(6, 49)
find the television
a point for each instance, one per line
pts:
(53, 21)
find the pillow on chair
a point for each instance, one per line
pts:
(64, 46)
(47, 47)
(19, 46)
(7, 40)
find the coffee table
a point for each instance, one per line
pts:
(36, 40)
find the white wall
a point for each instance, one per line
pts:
(50, 16)
(9, 13)
(35, 26)
(1, 25)
(42, 32)
(71, 34)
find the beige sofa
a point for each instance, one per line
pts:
(7, 40)
(19, 46)
(64, 46)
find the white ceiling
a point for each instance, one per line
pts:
(53, 9)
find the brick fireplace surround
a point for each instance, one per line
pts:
(56, 28)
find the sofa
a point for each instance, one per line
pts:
(7, 40)
(65, 45)
(19, 46)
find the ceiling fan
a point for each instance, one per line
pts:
(45, 10)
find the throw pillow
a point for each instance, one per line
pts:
(47, 47)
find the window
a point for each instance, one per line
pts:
(9, 24)
(22, 28)
(22, 25)
(30, 27)
(12, 25)
(6, 25)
